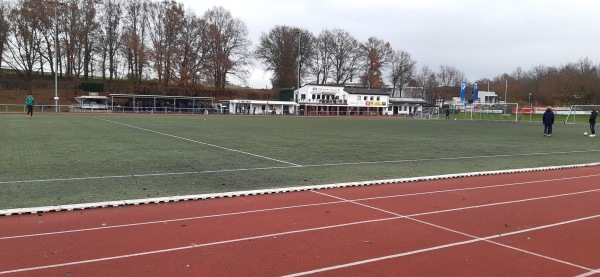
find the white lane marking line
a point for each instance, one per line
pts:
(198, 142)
(341, 201)
(170, 220)
(290, 207)
(593, 272)
(480, 187)
(194, 246)
(475, 239)
(305, 231)
(508, 202)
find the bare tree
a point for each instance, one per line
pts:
(324, 45)
(192, 52)
(402, 68)
(228, 44)
(78, 23)
(134, 37)
(450, 76)
(378, 54)
(427, 81)
(166, 27)
(89, 33)
(4, 29)
(279, 49)
(49, 34)
(110, 21)
(25, 39)
(347, 58)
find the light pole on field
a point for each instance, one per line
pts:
(506, 92)
(299, 56)
(530, 108)
(56, 55)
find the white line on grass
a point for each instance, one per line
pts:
(338, 202)
(145, 175)
(460, 158)
(276, 190)
(199, 142)
(291, 167)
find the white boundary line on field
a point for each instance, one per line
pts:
(140, 175)
(157, 200)
(195, 141)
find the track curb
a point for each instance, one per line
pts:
(158, 200)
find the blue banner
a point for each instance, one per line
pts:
(463, 88)
(476, 92)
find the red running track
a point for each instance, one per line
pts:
(524, 224)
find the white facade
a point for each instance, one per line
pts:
(405, 106)
(487, 97)
(337, 95)
(257, 107)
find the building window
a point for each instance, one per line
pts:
(302, 96)
(378, 98)
(371, 98)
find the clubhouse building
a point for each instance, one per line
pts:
(341, 100)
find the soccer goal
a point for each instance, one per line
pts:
(427, 113)
(495, 111)
(580, 113)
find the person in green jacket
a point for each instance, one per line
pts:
(29, 102)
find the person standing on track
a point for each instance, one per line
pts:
(548, 120)
(592, 121)
(29, 102)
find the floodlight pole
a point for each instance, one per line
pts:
(505, 92)
(530, 108)
(299, 57)
(56, 56)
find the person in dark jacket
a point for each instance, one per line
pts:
(548, 120)
(592, 120)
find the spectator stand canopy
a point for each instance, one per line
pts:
(161, 103)
(257, 107)
(90, 103)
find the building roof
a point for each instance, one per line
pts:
(366, 91)
(160, 96)
(403, 100)
(259, 102)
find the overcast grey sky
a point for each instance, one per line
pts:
(482, 38)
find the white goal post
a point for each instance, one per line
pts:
(494, 111)
(580, 113)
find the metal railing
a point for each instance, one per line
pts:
(18, 108)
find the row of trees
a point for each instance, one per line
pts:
(144, 41)
(137, 40)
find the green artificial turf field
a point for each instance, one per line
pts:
(57, 159)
